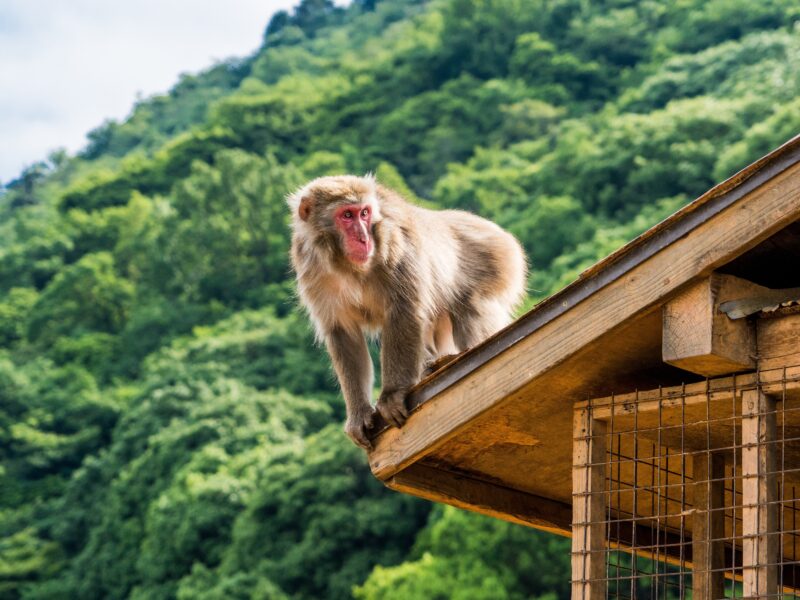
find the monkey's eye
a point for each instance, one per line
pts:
(347, 214)
(365, 212)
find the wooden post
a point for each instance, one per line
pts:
(760, 545)
(588, 507)
(708, 527)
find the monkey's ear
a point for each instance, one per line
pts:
(304, 209)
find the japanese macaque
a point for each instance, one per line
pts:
(431, 283)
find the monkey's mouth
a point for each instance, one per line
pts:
(359, 252)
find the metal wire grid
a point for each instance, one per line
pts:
(658, 463)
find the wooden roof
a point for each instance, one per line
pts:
(492, 431)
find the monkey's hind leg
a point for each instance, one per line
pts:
(444, 346)
(440, 363)
(477, 320)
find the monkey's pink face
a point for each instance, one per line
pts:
(354, 223)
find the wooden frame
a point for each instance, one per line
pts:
(588, 507)
(762, 569)
(783, 380)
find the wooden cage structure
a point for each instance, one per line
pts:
(702, 479)
(650, 410)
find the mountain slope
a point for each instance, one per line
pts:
(168, 428)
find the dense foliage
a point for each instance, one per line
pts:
(168, 428)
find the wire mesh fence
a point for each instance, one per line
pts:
(689, 492)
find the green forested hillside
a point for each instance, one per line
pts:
(168, 429)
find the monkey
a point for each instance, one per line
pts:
(430, 283)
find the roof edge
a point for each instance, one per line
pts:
(614, 266)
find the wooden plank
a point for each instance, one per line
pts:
(721, 389)
(697, 337)
(760, 525)
(588, 507)
(728, 234)
(778, 342)
(708, 527)
(469, 493)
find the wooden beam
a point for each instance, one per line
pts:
(469, 493)
(697, 337)
(670, 553)
(778, 341)
(729, 233)
(708, 526)
(722, 389)
(760, 522)
(588, 507)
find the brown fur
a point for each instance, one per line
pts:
(437, 283)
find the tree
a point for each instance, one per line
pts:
(90, 282)
(316, 504)
(227, 234)
(462, 555)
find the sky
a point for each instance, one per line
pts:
(68, 65)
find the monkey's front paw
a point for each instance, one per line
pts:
(392, 406)
(358, 425)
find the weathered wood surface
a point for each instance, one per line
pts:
(536, 429)
(467, 492)
(708, 527)
(588, 507)
(718, 390)
(531, 430)
(513, 373)
(760, 524)
(699, 338)
(505, 443)
(778, 341)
